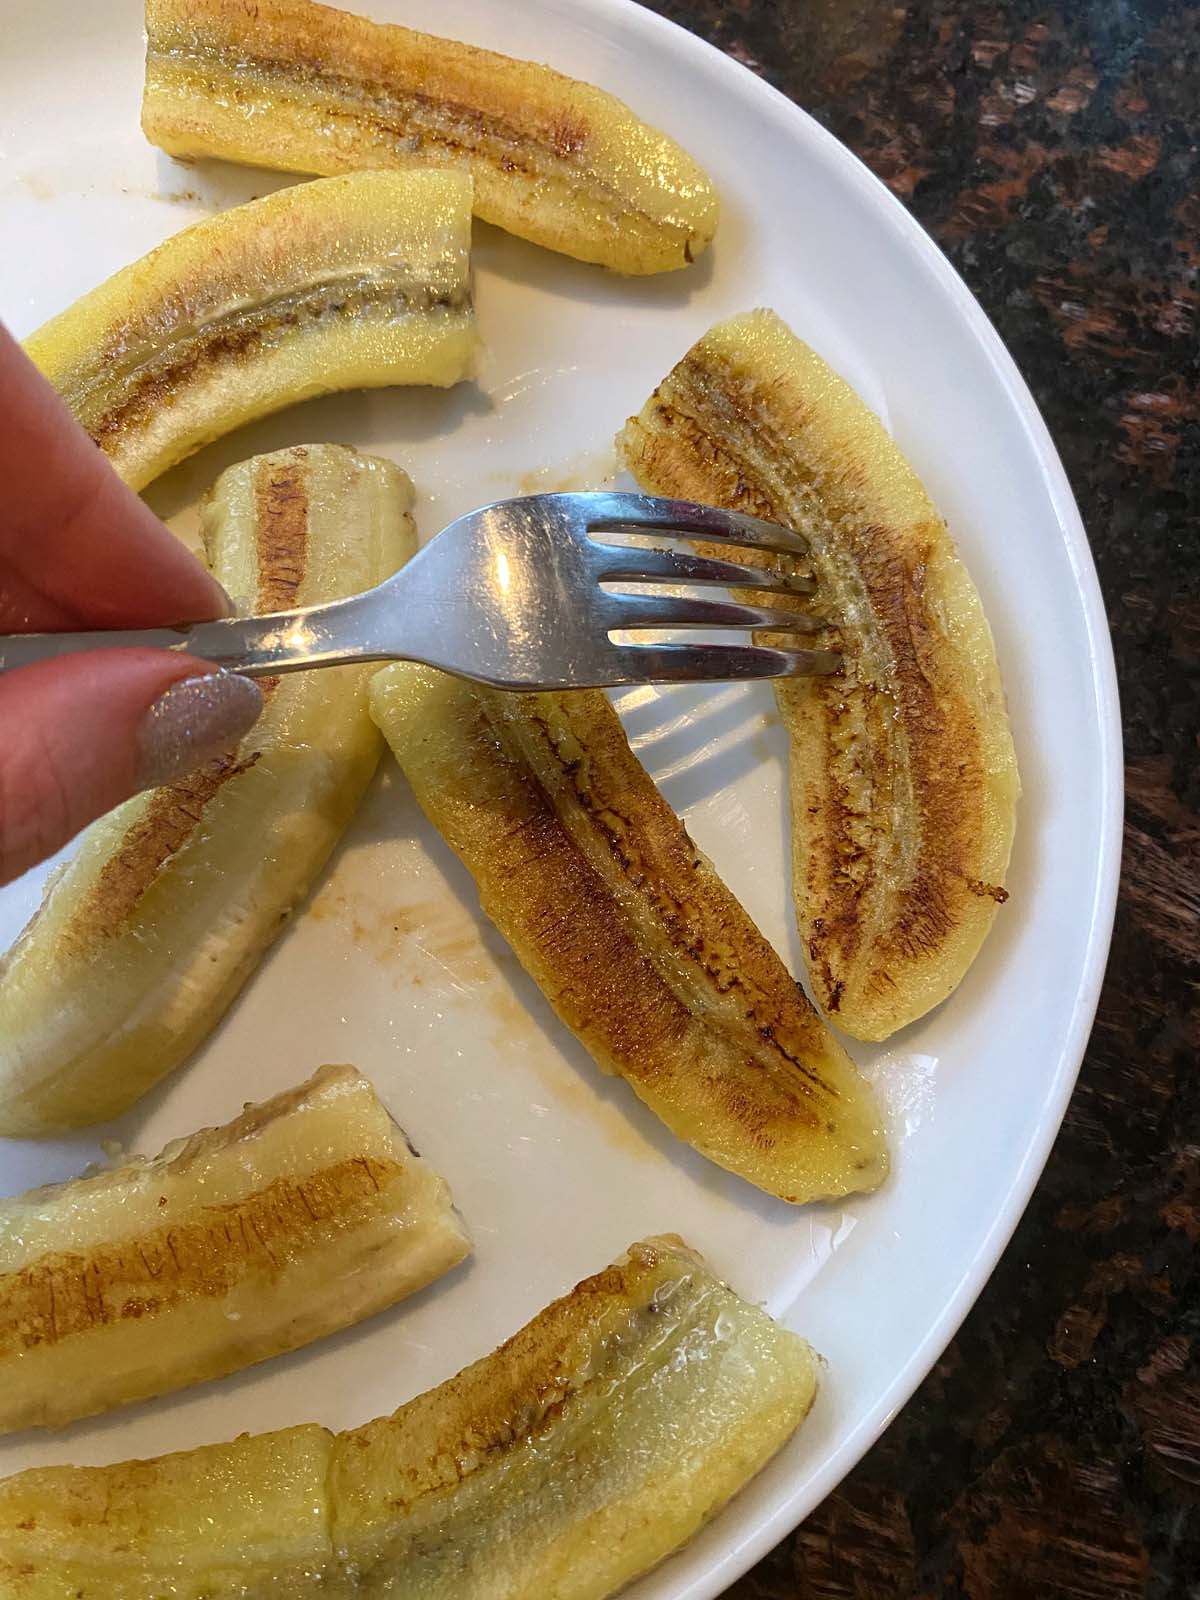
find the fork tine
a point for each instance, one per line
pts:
(666, 611)
(628, 563)
(720, 663)
(640, 512)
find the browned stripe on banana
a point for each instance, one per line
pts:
(582, 936)
(395, 112)
(281, 530)
(689, 460)
(517, 1394)
(944, 757)
(149, 385)
(155, 384)
(281, 534)
(69, 1292)
(605, 983)
(644, 848)
(418, 117)
(172, 815)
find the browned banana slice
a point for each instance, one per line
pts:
(634, 940)
(352, 283)
(286, 83)
(303, 1215)
(145, 937)
(579, 1455)
(904, 781)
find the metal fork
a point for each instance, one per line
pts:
(512, 596)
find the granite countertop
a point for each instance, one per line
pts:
(1050, 147)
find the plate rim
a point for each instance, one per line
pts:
(798, 1500)
(748, 1533)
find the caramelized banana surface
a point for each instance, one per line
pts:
(303, 1215)
(903, 776)
(143, 940)
(632, 937)
(352, 283)
(304, 87)
(571, 1460)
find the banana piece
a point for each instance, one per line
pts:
(285, 83)
(577, 1456)
(145, 937)
(903, 777)
(632, 937)
(302, 1216)
(352, 283)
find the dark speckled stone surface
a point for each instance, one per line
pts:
(1052, 150)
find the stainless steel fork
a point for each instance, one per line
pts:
(513, 596)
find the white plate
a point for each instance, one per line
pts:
(556, 1168)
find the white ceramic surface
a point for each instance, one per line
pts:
(555, 1167)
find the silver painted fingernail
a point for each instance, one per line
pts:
(195, 720)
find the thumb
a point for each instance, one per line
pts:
(79, 735)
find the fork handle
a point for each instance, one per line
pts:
(285, 641)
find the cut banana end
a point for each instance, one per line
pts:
(286, 83)
(574, 1458)
(146, 936)
(355, 282)
(633, 939)
(903, 776)
(303, 1215)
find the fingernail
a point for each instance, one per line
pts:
(195, 720)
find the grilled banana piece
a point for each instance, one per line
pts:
(577, 1456)
(286, 83)
(144, 939)
(352, 283)
(632, 937)
(302, 1216)
(240, 1521)
(903, 776)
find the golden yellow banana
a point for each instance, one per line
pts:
(303, 1215)
(351, 283)
(286, 83)
(144, 939)
(903, 777)
(576, 1457)
(632, 937)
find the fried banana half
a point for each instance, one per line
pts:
(633, 939)
(145, 937)
(302, 1216)
(351, 283)
(903, 775)
(573, 1459)
(286, 83)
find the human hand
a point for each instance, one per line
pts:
(78, 549)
